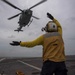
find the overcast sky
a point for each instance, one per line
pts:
(62, 10)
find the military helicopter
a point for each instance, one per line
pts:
(25, 15)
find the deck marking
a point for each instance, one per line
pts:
(2, 59)
(30, 65)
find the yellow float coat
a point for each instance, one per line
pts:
(53, 45)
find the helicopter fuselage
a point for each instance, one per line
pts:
(25, 17)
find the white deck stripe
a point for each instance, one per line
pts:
(30, 65)
(2, 59)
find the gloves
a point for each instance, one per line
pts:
(15, 43)
(50, 16)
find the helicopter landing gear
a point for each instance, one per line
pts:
(30, 22)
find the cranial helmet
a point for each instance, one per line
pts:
(51, 27)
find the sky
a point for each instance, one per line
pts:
(62, 10)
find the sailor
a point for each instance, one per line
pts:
(53, 48)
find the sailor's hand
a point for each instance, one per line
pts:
(50, 16)
(15, 43)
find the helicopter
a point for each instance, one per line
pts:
(25, 15)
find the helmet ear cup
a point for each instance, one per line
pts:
(51, 27)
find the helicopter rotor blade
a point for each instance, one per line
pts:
(37, 4)
(11, 5)
(35, 17)
(14, 16)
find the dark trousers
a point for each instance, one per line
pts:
(56, 68)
